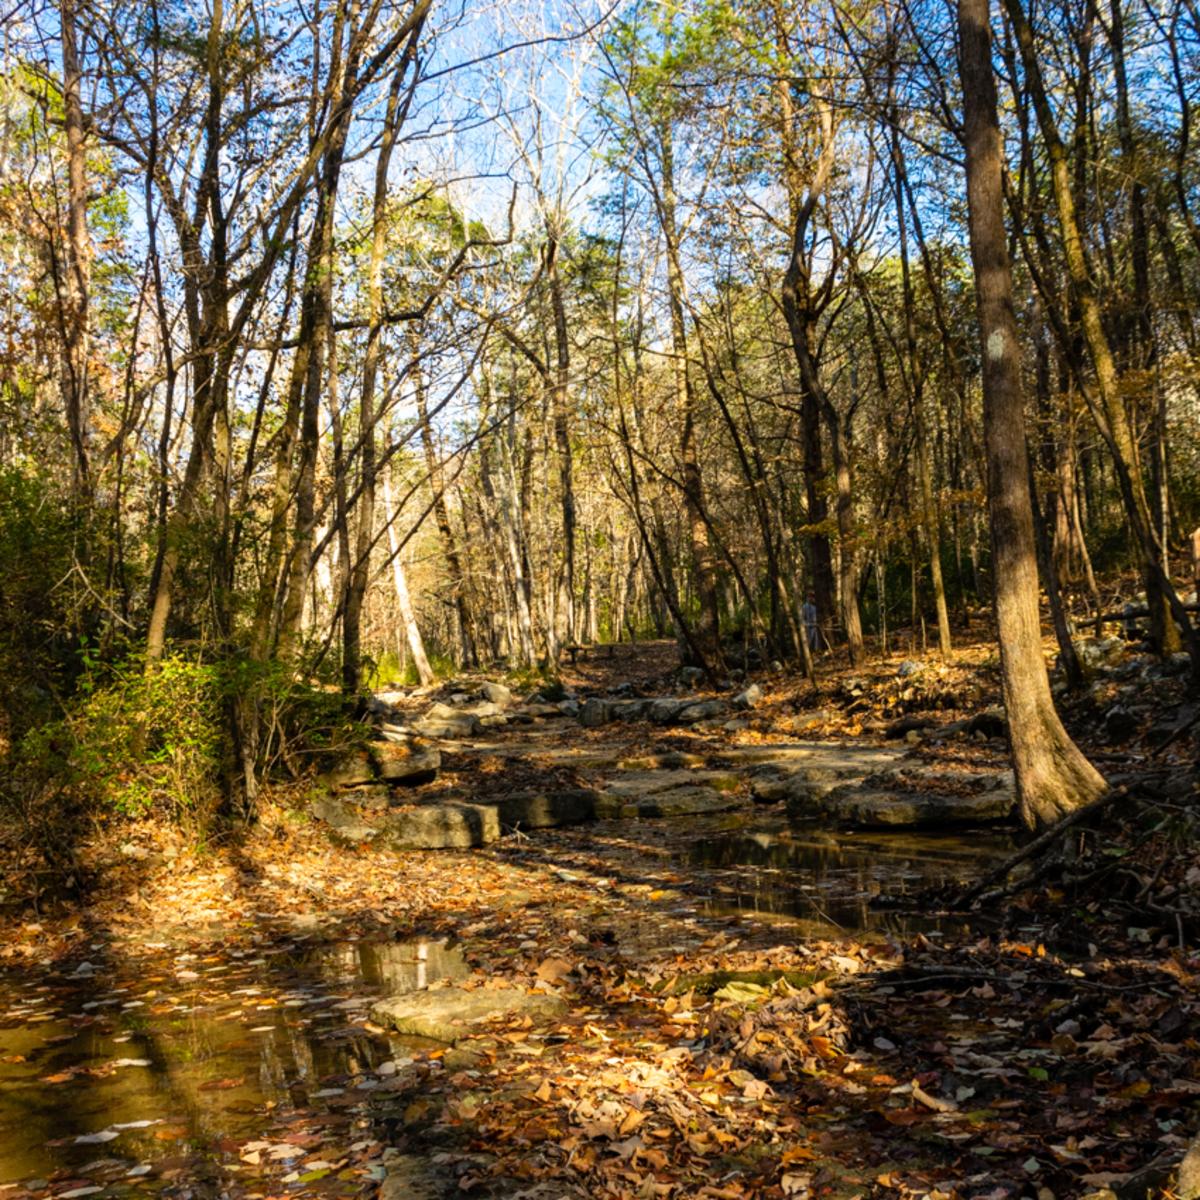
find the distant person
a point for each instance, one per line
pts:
(812, 625)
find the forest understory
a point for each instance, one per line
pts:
(891, 1040)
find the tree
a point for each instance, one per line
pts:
(1053, 777)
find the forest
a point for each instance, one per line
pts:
(622, 575)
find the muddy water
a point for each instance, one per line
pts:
(836, 879)
(108, 1077)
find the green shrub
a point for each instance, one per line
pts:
(149, 740)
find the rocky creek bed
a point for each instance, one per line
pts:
(661, 969)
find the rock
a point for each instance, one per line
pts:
(669, 711)
(450, 1014)
(682, 802)
(1120, 723)
(638, 784)
(535, 711)
(345, 828)
(496, 693)
(442, 721)
(484, 709)
(570, 708)
(804, 721)
(412, 1177)
(350, 770)
(992, 722)
(869, 805)
(543, 810)
(671, 760)
(440, 827)
(407, 763)
(1095, 653)
(595, 712)
(690, 677)
(908, 668)
(750, 698)
(737, 725)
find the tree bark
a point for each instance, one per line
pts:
(1052, 776)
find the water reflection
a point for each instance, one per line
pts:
(190, 1060)
(832, 879)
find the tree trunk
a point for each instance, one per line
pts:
(408, 617)
(75, 309)
(1053, 777)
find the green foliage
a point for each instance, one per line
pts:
(149, 739)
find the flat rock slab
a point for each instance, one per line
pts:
(544, 810)
(634, 785)
(672, 760)
(450, 1014)
(441, 827)
(872, 807)
(405, 762)
(681, 802)
(430, 827)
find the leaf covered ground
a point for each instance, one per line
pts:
(1045, 1048)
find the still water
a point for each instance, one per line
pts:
(104, 1071)
(835, 880)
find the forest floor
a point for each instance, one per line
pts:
(741, 1015)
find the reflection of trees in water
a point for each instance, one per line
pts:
(826, 879)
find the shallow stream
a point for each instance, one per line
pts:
(102, 1074)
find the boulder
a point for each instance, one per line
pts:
(543, 810)
(440, 827)
(691, 677)
(405, 762)
(345, 827)
(595, 712)
(671, 760)
(429, 827)
(750, 698)
(450, 1014)
(669, 711)
(352, 769)
(539, 711)
(1120, 723)
(496, 693)
(804, 722)
(443, 721)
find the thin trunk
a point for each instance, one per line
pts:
(408, 617)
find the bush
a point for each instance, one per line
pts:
(145, 741)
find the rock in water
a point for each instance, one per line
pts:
(448, 1014)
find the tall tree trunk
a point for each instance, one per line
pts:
(75, 309)
(465, 649)
(560, 401)
(705, 642)
(1053, 777)
(408, 616)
